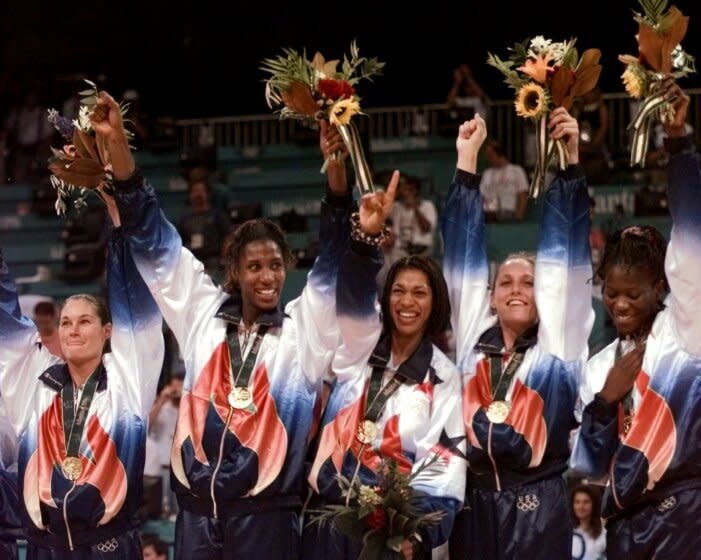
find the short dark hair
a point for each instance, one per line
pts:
(639, 246)
(259, 229)
(495, 145)
(159, 546)
(45, 308)
(439, 319)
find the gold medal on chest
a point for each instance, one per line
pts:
(240, 398)
(72, 467)
(367, 431)
(498, 411)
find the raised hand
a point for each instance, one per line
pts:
(106, 118)
(680, 101)
(564, 126)
(334, 150)
(622, 375)
(471, 136)
(376, 207)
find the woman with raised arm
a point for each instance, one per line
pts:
(254, 370)
(521, 350)
(397, 396)
(82, 422)
(641, 398)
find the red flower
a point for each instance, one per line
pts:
(335, 89)
(377, 518)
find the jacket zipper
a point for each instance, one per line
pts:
(219, 462)
(65, 517)
(489, 453)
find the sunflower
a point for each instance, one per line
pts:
(342, 111)
(531, 101)
(635, 81)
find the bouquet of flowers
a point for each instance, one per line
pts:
(311, 90)
(546, 75)
(382, 516)
(83, 164)
(660, 32)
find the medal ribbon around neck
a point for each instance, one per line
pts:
(500, 381)
(240, 396)
(74, 421)
(377, 398)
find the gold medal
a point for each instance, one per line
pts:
(367, 430)
(498, 411)
(240, 398)
(72, 467)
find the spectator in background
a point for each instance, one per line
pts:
(162, 420)
(412, 223)
(597, 237)
(589, 536)
(46, 321)
(28, 137)
(593, 117)
(154, 548)
(204, 228)
(504, 186)
(466, 97)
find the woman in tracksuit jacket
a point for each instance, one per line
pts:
(82, 422)
(253, 370)
(417, 421)
(520, 368)
(642, 396)
(10, 523)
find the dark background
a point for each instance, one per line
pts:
(203, 59)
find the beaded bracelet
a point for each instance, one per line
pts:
(357, 234)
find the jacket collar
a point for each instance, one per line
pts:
(492, 341)
(57, 376)
(230, 311)
(414, 367)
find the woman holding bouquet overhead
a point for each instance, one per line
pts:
(521, 349)
(82, 422)
(254, 371)
(642, 405)
(396, 401)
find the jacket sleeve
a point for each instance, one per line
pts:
(314, 311)
(563, 270)
(442, 447)
(596, 439)
(465, 264)
(358, 310)
(683, 260)
(137, 326)
(22, 357)
(184, 293)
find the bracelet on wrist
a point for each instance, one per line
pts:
(357, 234)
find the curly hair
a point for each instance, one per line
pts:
(439, 319)
(640, 246)
(259, 229)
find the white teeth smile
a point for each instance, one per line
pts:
(266, 292)
(407, 315)
(516, 302)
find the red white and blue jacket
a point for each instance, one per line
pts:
(250, 460)
(10, 524)
(420, 419)
(532, 443)
(660, 453)
(103, 501)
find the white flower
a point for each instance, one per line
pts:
(83, 121)
(539, 44)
